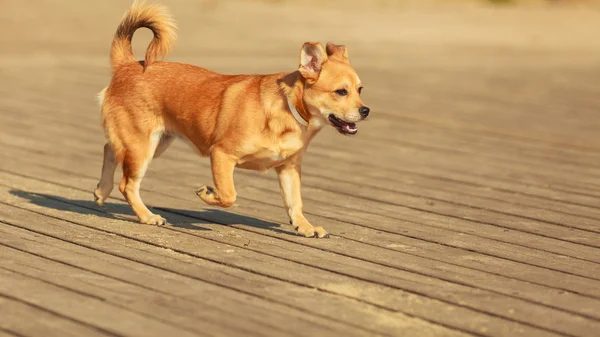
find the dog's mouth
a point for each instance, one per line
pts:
(343, 127)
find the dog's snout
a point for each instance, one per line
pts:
(364, 111)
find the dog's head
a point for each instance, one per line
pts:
(332, 87)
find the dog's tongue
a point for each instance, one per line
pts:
(349, 127)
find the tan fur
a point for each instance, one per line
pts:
(238, 120)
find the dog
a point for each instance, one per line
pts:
(257, 122)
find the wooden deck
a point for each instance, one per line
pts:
(467, 205)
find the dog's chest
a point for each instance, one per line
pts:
(269, 154)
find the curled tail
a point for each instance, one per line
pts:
(153, 17)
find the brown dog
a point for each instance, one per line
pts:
(255, 122)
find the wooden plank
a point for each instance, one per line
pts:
(439, 218)
(423, 183)
(496, 212)
(299, 302)
(391, 279)
(25, 319)
(413, 305)
(9, 333)
(428, 133)
(234, 311)
(91, 311)
(470, 241)
(462, 110)
(459, 171)
(498, 153)
(542, 255)
(471, 163)
(223, 318)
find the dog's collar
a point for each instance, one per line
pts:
(297, 115)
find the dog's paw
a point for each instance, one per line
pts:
(204, 190)
(321, 233)
(154, 219)
(99, 197)
(309, 231)
(207, 194)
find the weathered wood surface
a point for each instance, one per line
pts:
(467, 205)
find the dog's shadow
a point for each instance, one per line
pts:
(181, 218)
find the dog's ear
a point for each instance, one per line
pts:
(312, 57)
(337, 51)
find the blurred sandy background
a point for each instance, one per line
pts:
(419, 59)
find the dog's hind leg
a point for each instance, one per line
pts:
(136, 158)
(106, 184)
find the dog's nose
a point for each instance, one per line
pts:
(364, 111)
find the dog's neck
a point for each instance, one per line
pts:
(294, 91)
(297, 115)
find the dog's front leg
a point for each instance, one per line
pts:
(289, 181)
(223, 194)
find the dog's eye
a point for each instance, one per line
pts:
(342, 92)
(360, 90)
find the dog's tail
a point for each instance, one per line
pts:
(154, 17)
